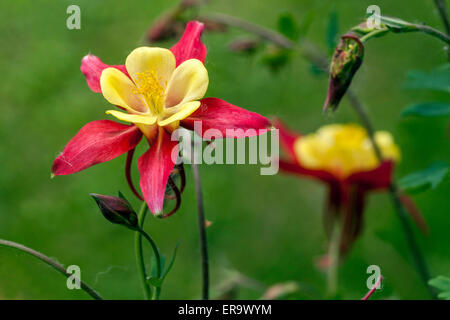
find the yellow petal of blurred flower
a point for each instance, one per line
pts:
(343, 149)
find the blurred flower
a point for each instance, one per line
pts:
(342, 157)
(347, 59)
(157, 90)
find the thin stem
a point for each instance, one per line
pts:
(333, 256)
(399, 25)
(393, 191)
(202, 229)
(442, 8)
(140, 254)
(373, 34)
(258, 30)
(157, 260)
(90, 291)
(432, 32)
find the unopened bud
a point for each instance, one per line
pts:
(347, 59)
(117, 210)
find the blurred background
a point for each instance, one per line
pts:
(266, 229)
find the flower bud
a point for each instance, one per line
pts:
(117, 210)
(347, 59)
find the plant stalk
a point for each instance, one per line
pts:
(202, 229)
(393, 191)
(157, 260)
(442, 9)
(333, 256)
(58, 267)
(140, 253)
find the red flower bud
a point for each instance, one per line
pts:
(117, 210)
(347, 59)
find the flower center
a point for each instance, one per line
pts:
(151, 88)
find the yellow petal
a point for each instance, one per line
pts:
(118, 89)
(145, 59)
(189, 82)
(178, 113)
(135, 118)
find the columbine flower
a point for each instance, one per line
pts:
(342, 157)
(157, 90)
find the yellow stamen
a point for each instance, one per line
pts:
(151, 87)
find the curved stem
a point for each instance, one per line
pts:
(442, 8)
(157, 258)
(90, 291)
(432, 32)
(202, 229)
(373, 34)
(393, 191)
(140, 255)
(399, 25)
(262, 32)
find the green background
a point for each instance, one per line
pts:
(268, 228)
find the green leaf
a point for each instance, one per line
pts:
(172, 261)
(437, 79)
(332, 31)
(158, 281)
(288, 26)
(428, 109)
(426, 179)
(162, 259)
(441, 283)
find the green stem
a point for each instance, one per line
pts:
(140, 255)
(393, 190)
(442, 9)
(373, 34)
(90, 291)
(399, 25)
(432, 32)
(157, 260)
(202, 229)
(333, 256)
